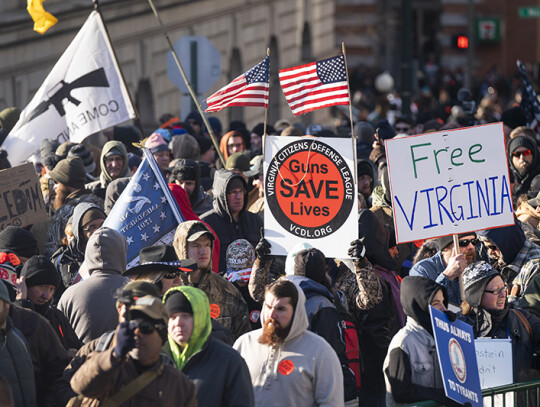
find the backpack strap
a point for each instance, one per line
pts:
(104, 341)
(524, 321)
(133, 387)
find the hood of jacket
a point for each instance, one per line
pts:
(375, 238)
(509, 240)
(299, 323)
(310, 287)
(114, 190)
(78, 214)
(106, 252)
(417, 295)
(109, 145)
(225, 139)
(202, 325)
(222, 178)
(180, 238)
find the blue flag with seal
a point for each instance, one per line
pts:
(146, 213)
(457, 358)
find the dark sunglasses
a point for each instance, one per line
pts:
(521, 153)
(466, 242)
(146, 327)
(170, 276)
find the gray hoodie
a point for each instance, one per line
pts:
(90, 305)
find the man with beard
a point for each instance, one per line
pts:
(290, 365)
(524, 163)
(445, 267)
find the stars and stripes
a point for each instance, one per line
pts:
(249, 89)
(529, 101)
(315, 85)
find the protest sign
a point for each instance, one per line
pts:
(457, 358)
(494, 358)
(310, 194)
(21, 200)
(449, 182)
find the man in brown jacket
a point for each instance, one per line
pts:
(133, 373)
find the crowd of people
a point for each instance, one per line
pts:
(214, 318)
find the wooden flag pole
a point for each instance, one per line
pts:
(186, 81)
(456, 252)
(266, 108)
(350, 109)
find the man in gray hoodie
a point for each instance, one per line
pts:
(90, 305)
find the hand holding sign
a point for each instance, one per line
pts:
(455, 267)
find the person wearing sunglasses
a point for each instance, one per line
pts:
(522, 154)
(486, 308)
(133, 370)
(446, 266)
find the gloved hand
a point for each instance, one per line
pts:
(263, 248)
(451, 315)
(357, 249)
(125, 340)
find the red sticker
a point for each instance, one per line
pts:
(286, 367)
(214, 311)
(254, 316)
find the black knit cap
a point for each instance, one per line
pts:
(514, 117)
(39, 270)
(70, 172)
(85, 155)
(186, 170)
(312, 264)
(19, 241)
(177, 302)
(521, 141)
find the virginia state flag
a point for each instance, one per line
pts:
(42, 20)
(146, 212)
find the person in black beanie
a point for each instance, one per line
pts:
(35, 289)
(364, 172)
(19, 241)
(524, 163)
(187, 174)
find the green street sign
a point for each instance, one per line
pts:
(529, 12)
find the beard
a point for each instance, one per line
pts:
(273, 334)
(470, 256)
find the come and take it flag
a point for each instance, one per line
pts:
(529, 101)
(315, 85)
(83, 94)
(249, 89)
(146, 212)
(42, 20)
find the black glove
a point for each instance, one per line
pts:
(451, 315)
(263, 249)
(357, 249)
(125, 339)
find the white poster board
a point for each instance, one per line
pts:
(310, 194)
(449, 182)
(495, 367)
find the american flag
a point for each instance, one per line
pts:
(249, 89)
(529, 101)
(315, 85)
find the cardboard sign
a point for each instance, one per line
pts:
(21, 199)
(310, 194)
(457, 358)
(449, 182)
(494, 358)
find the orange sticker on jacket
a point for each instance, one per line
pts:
(214, 311)
(286, 367)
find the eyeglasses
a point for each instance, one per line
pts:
(403, 129)
(236, 145)
(466, 242)
(170, 276)
(146, 327)
(236, 192)
(498, 291)
(525, 153)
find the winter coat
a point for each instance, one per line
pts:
(524, 180)
(218, 371)
(90, 305)
(248, 226)
(302, 371)
(49, 357)
(16, 366)
(99, 187)
(231, 310)
(203, 202)
(411, 368)
(98, 379)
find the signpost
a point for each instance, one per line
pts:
(529, 12)
(457, 358)
(449, 182)
(310, 194)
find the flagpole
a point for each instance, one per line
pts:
(350, 108)
(184, 77)
(266, 108)
(97, 7)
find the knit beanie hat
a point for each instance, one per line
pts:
(363, 167)
(235, 182)
(92, 214)
(70, 172)
(10, 267)
(475, 279)
(177, 302)
(312, 264)
(114, 151)
(364, 131)
(133, 160)
(384, 130)
(63, 149)
(521, 141)
(80, 150)
(204, 144)
(514, 117)
(156, 143)
(186, 170)
(19, 241)
(39, 270)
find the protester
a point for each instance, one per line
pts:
(218, 371)
(232, 142)
(524, 162)
(160, 150)
(255, 201)
(113, 163)
(187, 174)
(288, 364)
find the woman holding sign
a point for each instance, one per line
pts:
(486, 308)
